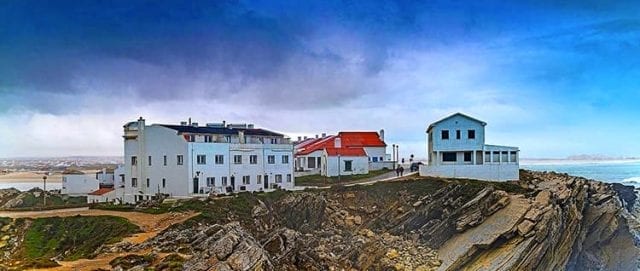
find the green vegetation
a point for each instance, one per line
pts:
(54, 201)
(317, 180)
(71, 238)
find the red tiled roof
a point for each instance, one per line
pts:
(347, 140)
(101, 191)
(307, 142)
(346, 152)
(361, 139)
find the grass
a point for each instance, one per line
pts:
(31, 202)
(318, 180)
(71, 238)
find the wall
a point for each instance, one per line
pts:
(490, 172)
(381, 165)
(79, 184)
(360, 165)
(107, 197)
(379, 152)
(452, 144)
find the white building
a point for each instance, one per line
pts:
(75, 182)
(457, 149)
(354, 152)
(190, 160)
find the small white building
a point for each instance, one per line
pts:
(189, 160)
(456, 149)
(358, 152)
(75, 182)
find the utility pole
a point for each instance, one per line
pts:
(339, 168)
(44, 186)
(393, 155)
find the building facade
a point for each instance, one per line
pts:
(346, 153)
(75, 182)
(456, 149)
(191, 160)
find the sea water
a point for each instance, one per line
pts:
(625, 172)
(24, 186)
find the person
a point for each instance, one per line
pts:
(401, 170)
(398, 171)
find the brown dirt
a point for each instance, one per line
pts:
(150, 224)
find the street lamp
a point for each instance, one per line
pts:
(393, 155)
(44, 186)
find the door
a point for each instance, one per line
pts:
(195, 185)
(266, 181)
(233, 183)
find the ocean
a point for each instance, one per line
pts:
(24, 186)
(625, 172)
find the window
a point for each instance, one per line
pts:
(134, 160)
(253, 159)
(164, 183)
(514, 157)
(237, 159)
(348, 165)
(288, 178)
(311, 162)
(505, 157)
(180, 159)
(164, 160)
(278, 178)
(487, 157)
(449, 157)
(375, 159)
(274, 141)
(467, 156)
(259, 179)
(223, 181)
(445, 134)
(211, 181)
(201, 159)
(208, 138)
(271, 159)
(496, 156)
(471, 134)
(149, 160)
(148, 182)
(246, 180)
(457, 134)
(381, 159)
(219, 159)
(285, 159)
(134, 182)
(191, 138)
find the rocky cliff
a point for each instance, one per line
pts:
(546, 221)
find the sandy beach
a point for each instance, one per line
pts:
(29, 177)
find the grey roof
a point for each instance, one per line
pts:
(453, 115)
(219, 130)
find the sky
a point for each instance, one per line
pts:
(555, 78)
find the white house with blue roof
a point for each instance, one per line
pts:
(194, 160)
(456, 149)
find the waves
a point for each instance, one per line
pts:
(635, 181)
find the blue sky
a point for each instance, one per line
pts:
(555, 79)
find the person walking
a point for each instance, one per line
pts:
(398, 171)
(401, 170)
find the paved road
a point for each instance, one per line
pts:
(390, 176)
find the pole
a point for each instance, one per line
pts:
(44, 186)
(393, 155)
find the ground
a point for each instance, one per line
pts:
(318, 180)
(150, 224)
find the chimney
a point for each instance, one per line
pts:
(305, 137)
(224, 123)
(324, 135)
(189, 121)
(337, 143)
(241, 136)
(299, 138)
(382, 134)
(140, 123)
(195, 124)
(316, 136)
(183, 123)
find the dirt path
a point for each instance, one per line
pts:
(150, 224)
